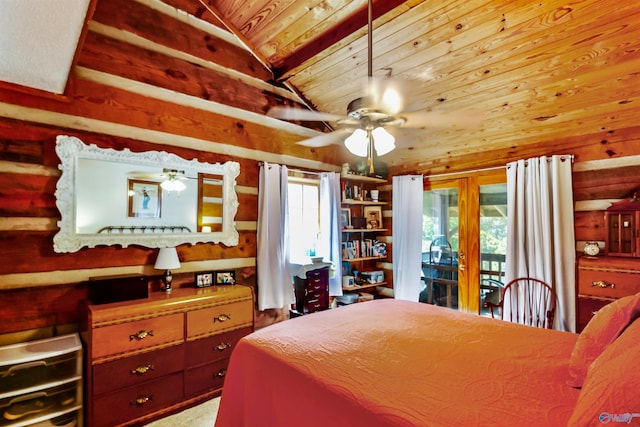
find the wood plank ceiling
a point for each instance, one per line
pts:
(545, 74)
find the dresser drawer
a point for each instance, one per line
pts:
(314, 305)
(608, 284)
(38, 372)
(137, 335)
(205, 378)
(219, 318)
(34, 405)
(587, 307)
(214, 348)
(34, 364)
(137, 369)
(137, 401)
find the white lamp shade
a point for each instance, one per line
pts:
(357, 142)
(173, 185)
(167, 259)
(383, 141)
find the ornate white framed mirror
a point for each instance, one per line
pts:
(153, 199)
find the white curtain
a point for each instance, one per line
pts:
(275, 286)
(407, 195)
(541, 241)
(330, 228)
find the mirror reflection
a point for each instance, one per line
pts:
(154, 199)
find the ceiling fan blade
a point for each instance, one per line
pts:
(335, 137)
(432, 119)
(289, 113)
(389, 94)
(144, 175)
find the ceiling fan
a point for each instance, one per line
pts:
(364, 129)
(171, 179)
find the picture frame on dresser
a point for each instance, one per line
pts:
(203, 280)
(225, 277)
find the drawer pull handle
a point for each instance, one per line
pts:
(223, 346)
(221, 373)
(140, 335)
(141, 370)
(603, 284)
(12, 370)
(141, 400)
(222, 318)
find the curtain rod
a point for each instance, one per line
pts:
(261, 163)
(467, 172)
(563, 157)
(442, 175)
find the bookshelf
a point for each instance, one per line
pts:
(361, 224)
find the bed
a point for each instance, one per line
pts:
(397, 363)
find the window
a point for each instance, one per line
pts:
(304, 216)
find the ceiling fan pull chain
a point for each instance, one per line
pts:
(370, 152)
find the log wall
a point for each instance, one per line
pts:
(145, 79)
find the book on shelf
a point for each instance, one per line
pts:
(353, 191)
(364, 248)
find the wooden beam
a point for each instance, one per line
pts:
(332, 36)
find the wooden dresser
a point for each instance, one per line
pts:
(604, 279)
(151, 357)
(312, 292)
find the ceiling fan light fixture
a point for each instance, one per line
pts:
(172, 184)
(357, 143)
(383, 141)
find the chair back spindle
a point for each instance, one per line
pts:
(527, 301)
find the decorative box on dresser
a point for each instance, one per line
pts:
(604, 279)
(151, 357)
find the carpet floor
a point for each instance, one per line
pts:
(203, 415)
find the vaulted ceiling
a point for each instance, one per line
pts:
(540, 72)
(546, 76)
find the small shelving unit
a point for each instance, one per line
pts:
(42, 382)
(361, 287)
(356, 197)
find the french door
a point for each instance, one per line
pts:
(464, 240)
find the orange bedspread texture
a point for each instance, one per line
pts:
(398, 363)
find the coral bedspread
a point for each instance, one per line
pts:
(398, 363)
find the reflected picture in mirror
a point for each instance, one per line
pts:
(145, 199)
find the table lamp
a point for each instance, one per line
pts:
(167, 259)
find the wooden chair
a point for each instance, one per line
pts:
(532, 302)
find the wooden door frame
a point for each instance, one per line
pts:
(468, 186)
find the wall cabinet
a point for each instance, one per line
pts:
(362, 222)
(602, 280)
(622, 222)
(41, 382)
(151, 357)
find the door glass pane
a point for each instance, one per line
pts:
(440, 248)
(493, 242)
